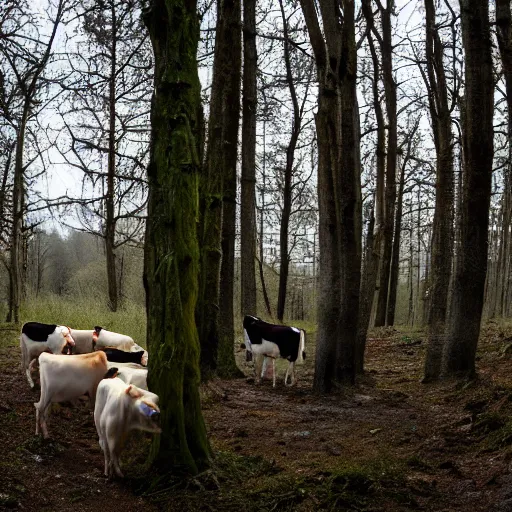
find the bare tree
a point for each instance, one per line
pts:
(248, 193)
(468, 290)
(338, 190)
(27, 57)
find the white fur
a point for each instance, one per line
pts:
(131, 373)
(30, 350)
(268, 349)
(67, 377)
(117, 412)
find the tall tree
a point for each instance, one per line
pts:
(504, 33)
(377, 217)
(171, 250)
(469, 282)
(110, 88)
(442, 231)
(248, 192)
(339, 190)
(27, 57)
(386, 48)
(218, 198)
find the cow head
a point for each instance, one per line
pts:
(145, 409)
(69, 342)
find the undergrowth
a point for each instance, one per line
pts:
(253, 484)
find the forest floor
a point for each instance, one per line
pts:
(390, 444)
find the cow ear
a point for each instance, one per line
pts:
(134, 393)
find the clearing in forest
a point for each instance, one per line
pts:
(390, 444)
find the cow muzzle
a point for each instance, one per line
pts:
(248, 356)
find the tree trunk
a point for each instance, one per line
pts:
(368, 279)
(442, 230)
(390, 195)
(504, 33)
(288, 171)
(262, 226)
(248, 192)
(18, 193)
(217, 215)
(338, 192)
(110, 222)
(171, 250)
(468, 291)
(232, 43)
(395, 259)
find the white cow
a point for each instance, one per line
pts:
(109, 339)
(98, 338)
(83, 340)
(66, 378)
(37, 338)
(131, 373)
(119, 409)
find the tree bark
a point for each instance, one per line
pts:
(110, 222)
(395, 258)
(504, 34)
(338, 191)
(390, 194)
(442, 230)
(218, 195)
(248, 192)
(171, 254)
(368, 279)
(288, 172)
(374, 239)
(232, 39)
(468, 291)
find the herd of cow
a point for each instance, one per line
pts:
(112, 370)
(109, 367)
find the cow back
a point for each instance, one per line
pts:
(37, 331)
(286, 338)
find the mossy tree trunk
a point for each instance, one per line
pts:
(218, 198)
(230, 73)
(171, 257)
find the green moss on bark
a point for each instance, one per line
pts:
(171, 251)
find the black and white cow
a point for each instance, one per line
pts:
(37, 338)
(272, 341)
(120, 356)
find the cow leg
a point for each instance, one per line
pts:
(29, 371)
(115, 446)
(106, 452)
(264, 366)
(273, 372)
(23, 354)
(257, 367)
(290, 371)
(37, 419)
(41, 414)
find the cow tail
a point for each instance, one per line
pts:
(302, 344)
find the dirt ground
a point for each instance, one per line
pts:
(390, 444)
